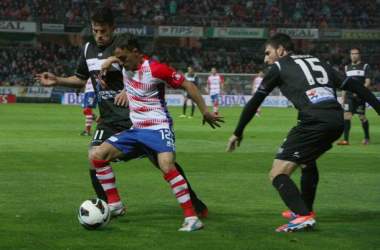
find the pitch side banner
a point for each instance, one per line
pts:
(230, 100)
(331, 34)
(72, 99)
(361, 34)
(4, 99)
(297, 33)
(35, 92)
(137, 30)
(238, 33)
(10, 91)
(52, 27)
(180, 31)
(19, 27)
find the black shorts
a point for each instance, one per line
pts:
(106, 130)
(306, 146)
(354, 105)
(186, 95)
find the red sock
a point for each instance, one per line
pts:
(215, 109)
(181, 191)
(107, 179)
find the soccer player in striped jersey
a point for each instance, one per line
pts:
(152, 131)
(256, 84)
(112, 102)
(215, 87)
(89, 103)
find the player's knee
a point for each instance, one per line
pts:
(273, 173)
(97, 154)
(91, 157)
(347, 116)
(87, 111)
(363, 118)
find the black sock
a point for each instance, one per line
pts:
(197, 203)
(309, 182)
(290, 194)
(192, 109)
(366, 129)
(184, 108)
(347, 127)
(97, 186)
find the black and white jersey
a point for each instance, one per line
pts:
(192, 78)
(360, 71)
(310, 85)
(106, 88)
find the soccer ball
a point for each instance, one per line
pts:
(94, 214)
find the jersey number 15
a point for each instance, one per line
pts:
(321, 80)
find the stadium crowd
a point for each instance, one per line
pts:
(18, 63)
(211, 13)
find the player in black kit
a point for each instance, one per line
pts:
(112, 101)
(192, 77)
(310, 85)
(352, 103)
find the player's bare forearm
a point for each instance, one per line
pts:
(198, 99)
(367, 82)
(195, 95)
(49, 80)
(107, 64)
(72, 81)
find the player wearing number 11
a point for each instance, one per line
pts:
(310, 85)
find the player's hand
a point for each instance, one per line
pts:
(107, 64)
(212, 119)
(122, 99)
(47, 79)
(231, 143)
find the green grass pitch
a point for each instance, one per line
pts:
(44, 178)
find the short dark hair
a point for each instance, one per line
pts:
(281, 39)
(357, 48)
(103, 15)
(127, 41)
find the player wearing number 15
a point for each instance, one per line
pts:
(310, 85)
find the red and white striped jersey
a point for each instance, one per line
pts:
(215, 82)
(89, 87)
(145, 88)
(256, 83)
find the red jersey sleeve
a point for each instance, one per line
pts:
(221, 79)
(166, 74)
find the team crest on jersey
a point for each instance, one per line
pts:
(99, 80)
(320, 94)
(176, 77)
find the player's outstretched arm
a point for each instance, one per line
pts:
(48, 80)
(107, 64)
(196, 96)
(232, 141)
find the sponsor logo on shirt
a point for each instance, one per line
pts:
(176, 77)
(113, 139)
(320, 94)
